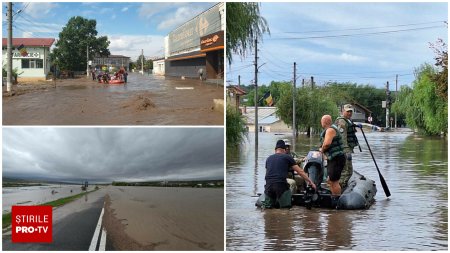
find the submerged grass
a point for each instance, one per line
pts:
(6, 218)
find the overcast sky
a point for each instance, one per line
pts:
(107, 154)
(365, 43)
(130, 26)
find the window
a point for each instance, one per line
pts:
(32, 63)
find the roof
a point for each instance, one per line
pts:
(237, 90)
(30, 42)
(268, 120)
(263, 113)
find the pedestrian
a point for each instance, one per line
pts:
(348, 132)
(93, 74)
(277, 168)
(200, 73)
(125, 76)
(333, 150)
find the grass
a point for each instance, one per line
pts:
(6, 218)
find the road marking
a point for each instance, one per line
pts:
(96, 233)
(102, 246)
(184, 88)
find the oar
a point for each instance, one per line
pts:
(383, 182)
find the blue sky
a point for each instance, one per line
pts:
(364, 59)
(130, 26)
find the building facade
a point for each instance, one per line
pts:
(197, 46)
(112, 62)
(32, 61)
(159, 67)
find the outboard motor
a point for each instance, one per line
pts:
(314, 167)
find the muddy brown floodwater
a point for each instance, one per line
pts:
(144, 100)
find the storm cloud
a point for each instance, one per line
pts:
(107, 154)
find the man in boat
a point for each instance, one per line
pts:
(277, 168)
(294, 181)
(348, 132)
(333, 150)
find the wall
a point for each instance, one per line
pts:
(38, 73)
(187, 67)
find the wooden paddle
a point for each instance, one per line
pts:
(383, 182)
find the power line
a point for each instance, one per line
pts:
(355, 34)
(366, 28)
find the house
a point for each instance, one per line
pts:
(234, 94)
(32, 60)
(360, 113)
(268, 121)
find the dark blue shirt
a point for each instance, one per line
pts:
(277, 168)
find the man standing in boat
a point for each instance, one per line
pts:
(333, 149)
(277, 168)
(348, 132)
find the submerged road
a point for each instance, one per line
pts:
(74, 225)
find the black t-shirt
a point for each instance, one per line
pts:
(277, 168)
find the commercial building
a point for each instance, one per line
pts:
(197, 46)
(32, 60)
(111, 62)
(158, 66)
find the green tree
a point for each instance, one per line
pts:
(441, 78)
(244, 25)
(311, 105)
(236, 130)
(75, 38)
(422, 106)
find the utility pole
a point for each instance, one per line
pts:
(312, 82)
(294, 130)
(256, 97)
(87, 61)
(303, 83)
(396, 93)
(387, 104)
(142, 61)
(9, 50)
(239, 80)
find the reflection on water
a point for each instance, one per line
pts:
(415, 217)
(34, 195)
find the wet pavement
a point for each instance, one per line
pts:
(144, 100)
(415, 217)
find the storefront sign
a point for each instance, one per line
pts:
(28, 55)
(187, 36)
(212, 41)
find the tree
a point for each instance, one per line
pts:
(423, 108)
(441, 78)
(77, 36)
(244, 25)
(236, 130)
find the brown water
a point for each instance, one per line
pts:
(144, 100)
(415, 217)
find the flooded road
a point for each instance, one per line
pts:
(33, 195)
(144, 100)
(415, 217)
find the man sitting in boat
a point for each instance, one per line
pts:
(296, 183)
(277, 168)
(333, 149)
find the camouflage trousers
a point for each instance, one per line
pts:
(346, 172)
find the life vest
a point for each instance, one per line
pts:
(337, 145)
(352, 140)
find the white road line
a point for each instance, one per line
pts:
(102, 246)
(184, 88)
(96, 233)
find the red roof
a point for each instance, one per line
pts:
(30, 42)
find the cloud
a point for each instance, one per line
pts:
(131, 45)
(181, 15)
(106, 154)
(124, 9)
(39, 10)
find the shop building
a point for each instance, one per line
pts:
(158, 66)
(32, 60)
(197, 46)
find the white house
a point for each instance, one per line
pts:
(32, 62)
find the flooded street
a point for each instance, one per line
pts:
(144, 100)
(415, 217)
(33, 195)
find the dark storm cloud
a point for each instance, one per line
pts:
(114, 153)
